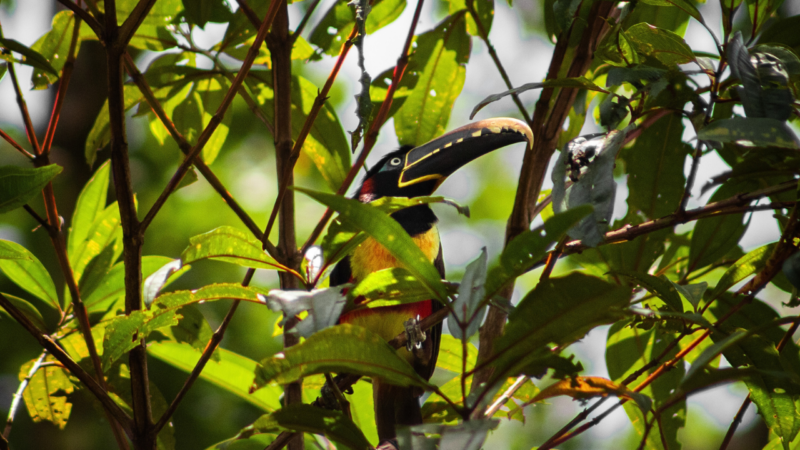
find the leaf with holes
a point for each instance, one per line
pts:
(47, 394)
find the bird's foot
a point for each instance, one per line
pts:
(414, 333)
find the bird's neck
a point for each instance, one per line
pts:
(416, 220)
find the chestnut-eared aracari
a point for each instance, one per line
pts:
(414, 172)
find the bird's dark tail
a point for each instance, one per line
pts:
(394, 406)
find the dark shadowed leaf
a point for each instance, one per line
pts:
(686, 6)
(559, 310)
(332, 424)
(29, 310)
(29, 274)
(782, 31)
(19, 185)
(343, 348)
(439, 60)
(100, 134)
(711, 353)
(529, 247)
(657, 286)
(28, 56)
(757, 132)
(791, 269)
(387, 232)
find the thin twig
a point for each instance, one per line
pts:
(23, 108)
(372, 134)
(12, 411)
(85, 16)
(186, 147)
(304, 21)
(208, 351)
(217, 118)
(343, 403)
(736, 421)
(37, 217)
(14, 144)
(49, 344)
(506, 396)
(496, 59)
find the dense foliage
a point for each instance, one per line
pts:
(107, 305)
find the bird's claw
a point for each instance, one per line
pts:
(415, 335)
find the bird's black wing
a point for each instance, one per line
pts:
(341, 273)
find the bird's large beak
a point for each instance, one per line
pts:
(442, 156)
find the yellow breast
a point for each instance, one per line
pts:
(371, 256)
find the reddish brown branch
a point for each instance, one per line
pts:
(14, 144)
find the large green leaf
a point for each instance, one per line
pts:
(306, 418)
(29, 310)
(772, 390)
(386, 231)
(657, 286)
(343, 348)
(29, 274)
(451, 354)
(91, 204)
(19, 185)
(530, 247)
(332, 31)
(54, 47)
(389, 287)
(100, 134)
(715, 236)
(326, 144)
(654, 164)
(229, 245)
(760, 11)
(232, 373)
(559, 310)
(28, 56)
(124, 332)
(745, 266)
(111, 289)
(485, 10)
(628, 350)
(439, 61)
(663, 45)
(760, 131)
(46, 396)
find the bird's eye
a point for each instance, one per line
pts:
(395, 161)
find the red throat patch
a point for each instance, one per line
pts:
(367, 192)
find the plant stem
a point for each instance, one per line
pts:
(491, 410)
(12, 411)
(14, 144)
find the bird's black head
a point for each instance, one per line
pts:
(418, 171)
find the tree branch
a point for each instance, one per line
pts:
(12, 411)
(14, 144)
(49, 344)
(85, 16)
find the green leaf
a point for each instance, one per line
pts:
(124, 333)
(757, 131)
(559, 310)
(91, 204)
(711, 353)
(19, 185)
(467, 310)
(211, 92)
(693, 293)
(100, 134)
(230, 245)
(47, 394)
(628, 350)
(392, 204)
(578, 83)
(663, 45)
(775, 396)
(439, 60)
(210, 293)
(29, 310)
(29, 274)
(745, 266)
(200, 12)
(326, 145)
(715, 236)
(332, 424)
(654, 164)
(339, 241)
(450, 354)
(9, 251)
(28, 57)
(54, 47)
(388, 287)
(193, 329)
(334, 28)
(656, 286)
(529, 247)
(233, 373)
(386, 231)
(760, 11)
(111, 288)
(343, 348)
(684, 5)
(782, 31)
(485, 10)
